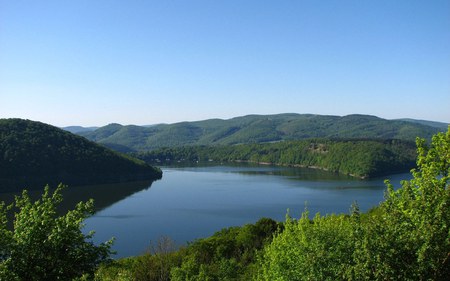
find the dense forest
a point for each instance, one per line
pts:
(33, 154)
(406, 237)
(257, 129)
(360, 158)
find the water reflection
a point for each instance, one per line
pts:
(301, 173)
(260, 169)
(104, 195)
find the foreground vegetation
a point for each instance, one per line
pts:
(360, 158)
(407, 237)
(229, 254)
(42, 245)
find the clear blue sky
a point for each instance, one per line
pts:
(142, 62)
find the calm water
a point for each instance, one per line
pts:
(190, 203)
(195, 202)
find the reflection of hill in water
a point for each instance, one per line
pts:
(245, 168)
(308, 174)
(104, 195)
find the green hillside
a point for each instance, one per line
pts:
(256, 129)
(359, 158)
(33, 154)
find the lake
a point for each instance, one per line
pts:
(194, 202)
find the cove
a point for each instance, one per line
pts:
(194, 202)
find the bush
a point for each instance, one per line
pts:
(44, 245)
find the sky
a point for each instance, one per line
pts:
(95, 62)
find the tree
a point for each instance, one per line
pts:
(317, 249)
(410, 238)
(44, 245)
(406, 238)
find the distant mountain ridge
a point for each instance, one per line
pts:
(257, 129)
(79, 129)
(33, 154)
(439, 125)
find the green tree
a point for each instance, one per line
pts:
(230, 254)
(318, 249)
(46, 246)
(406, 238)
(409, 239)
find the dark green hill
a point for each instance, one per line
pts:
(257, 129)
(33, 154)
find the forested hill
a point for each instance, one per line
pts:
(34, 153)
(257, 129)
(359, 158)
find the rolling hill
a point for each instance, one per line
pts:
(257, 129)
(33, 154)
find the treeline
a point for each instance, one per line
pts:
(360, 158)
(405, 238)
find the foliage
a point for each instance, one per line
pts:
(229, 254)
(361, 158)
(155, 265)
(318, 249)
(256, 129)
(46, 246)
(414, 221)
(406, 238)
(35, 154)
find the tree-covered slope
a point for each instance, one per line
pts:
(256, 129)
(356, 157)
(34, 153)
